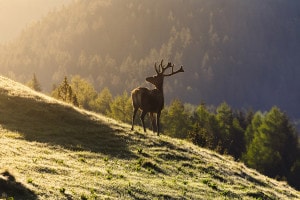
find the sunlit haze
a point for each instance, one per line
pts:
(17, 14)
(242, 52)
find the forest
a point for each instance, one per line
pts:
(243, 52)
(266, 141)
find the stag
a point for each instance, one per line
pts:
(152, 101)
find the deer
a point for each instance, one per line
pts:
(152, 100)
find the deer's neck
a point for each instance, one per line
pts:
(160, 89)
(161, 92)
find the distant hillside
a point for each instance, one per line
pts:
(50, 150)
(243, 52)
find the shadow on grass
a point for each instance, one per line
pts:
(57, 124)
(251, 179)
(10, 188)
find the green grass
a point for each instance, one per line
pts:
(51, 150)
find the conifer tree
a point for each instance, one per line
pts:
(34, 84)
(273, 149)
(230, 132)
(175, 120)
(224, 117)
(84, 90)
(252, 128)
(65, 92)
(205, 129)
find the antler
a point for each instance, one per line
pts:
(157, 70)
(172, 73)
(179, 70)
(161, 69)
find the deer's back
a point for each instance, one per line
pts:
(147, 100)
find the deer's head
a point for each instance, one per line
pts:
(158, 79)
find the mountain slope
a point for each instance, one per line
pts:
(50, 150)
(241, 52)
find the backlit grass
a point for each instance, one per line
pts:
(50, 150)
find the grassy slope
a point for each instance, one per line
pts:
(50, 150)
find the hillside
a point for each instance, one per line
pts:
(241, 52)
(50, 150)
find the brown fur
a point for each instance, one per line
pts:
(151, 101)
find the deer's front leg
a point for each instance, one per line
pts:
(157, 122)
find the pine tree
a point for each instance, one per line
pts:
(230, 131)
(75, 101)
(273, 149)
(294, 175)
(34, 84)
(252, 128)
(224, 117)
(84, 90)
(205, 129)
(175, 120)
(65, 92)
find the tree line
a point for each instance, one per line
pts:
(266, 141)
(231, 55)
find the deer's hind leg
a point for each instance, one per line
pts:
(153, 122)
(142, 119)
(133, 117)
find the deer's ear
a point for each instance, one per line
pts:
(148, 79)
(151, 80)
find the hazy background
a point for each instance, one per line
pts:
(246, 53)
(15, 15)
